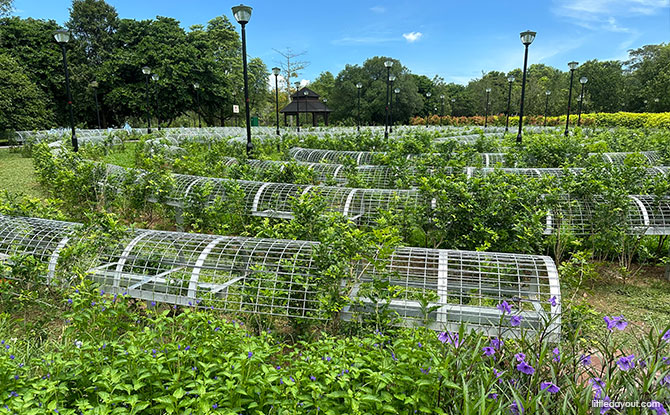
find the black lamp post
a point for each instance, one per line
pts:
(358, 125)
(242, 15)
(297, 105)
(486, 111)
(62, 37)
(155, 78)
(388, 65)
(391, 79)
(305, 93)
(453, 102)
(546, 106)
(147, 71)
(275, 72)
(441, 107)
(94, 85)
(396, 92)
(510, 79)
(428, 95)
(196, 87)
(583, 80)
(656, 108)
(527, 38)
(572, 65)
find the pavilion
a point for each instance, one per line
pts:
(306, 101)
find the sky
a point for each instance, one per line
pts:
(456, 40)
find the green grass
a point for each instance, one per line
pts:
(123, 158)
(17, 175)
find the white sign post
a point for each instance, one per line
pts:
(236, 109)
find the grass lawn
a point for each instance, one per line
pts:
(123, 158)
(17, 175)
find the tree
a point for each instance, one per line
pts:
(93, 23)
(291, 67)
(323, 84)
(23, 105)
(6, 7)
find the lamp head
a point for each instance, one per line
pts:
(155, 77)
(583, 80)
(527, 37)
(392, 78)
(62, 36)
(359, 85)
(510, 78)
(242, 14)
(93, 84)
(196, 85)
(573, 65)
(397, 90)
(547, 92)
(388, 63)
(428, 94)
(488, 90)
(146, 70)
(275, 71)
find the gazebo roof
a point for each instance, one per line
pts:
(305, 103)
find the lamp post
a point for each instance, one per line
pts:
(527, 38)
(196, 87)
(486, 116)
(391, 79)
(453, 102)
(155, 78)
(388, 64)
(242, 15)
(656, 100)
(396, 92)
(572, 65)
(297, 105)
(305, 93)
(441, 107)
(546, 106)
(62, 37)
(147, 71)
(428, 95)
(510, 79)
(583, 80)
(94, 85)
(358, 124)
(275, 72)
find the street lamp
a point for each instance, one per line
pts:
(297, 105)
(388, 64)
(486, 116)
(147, 71)
(441, 107)
(572, 65)
(305, 93)
(546, 106)
(453, 103)
(391, 79)
(242, 15)
(155, 78)
(275, 72)
(358, 125)
(428, 95)
(583, 80)
(196, 87)
(396, 92)
(510, 79)
(62, 37)
(94, 85)
(527, 38)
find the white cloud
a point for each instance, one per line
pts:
(378, 9)
(412, 37)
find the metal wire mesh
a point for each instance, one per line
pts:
(281, 277)
(653, 157)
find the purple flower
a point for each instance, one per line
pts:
(549, 387)
(489, 351)
(493, 396)
(666, 336)
(665, 381)
(11, 356)
(496, 343)
(312, 378)
(524, 367)
(215, 406)
(605, 408)
(520, 357)
(557, 355)
(626, 363)
(249, 355)
(504, 307)
(451, 338)
(585, 360)
(420, 345)
(615, 322)
(658, 407)
(498, 374)
(515, 321)
(552, 301)
(516, 408)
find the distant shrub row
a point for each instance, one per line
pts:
(618, 119)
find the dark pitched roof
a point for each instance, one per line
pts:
(305, 106)
(300, 94)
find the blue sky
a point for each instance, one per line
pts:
(456, 40)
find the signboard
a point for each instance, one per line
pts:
(236, 109)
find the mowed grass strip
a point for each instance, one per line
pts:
(17, 175)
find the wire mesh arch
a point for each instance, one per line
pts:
(654, 158)
(281, 277)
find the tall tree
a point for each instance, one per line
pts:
(6, 7)
(291, 66)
